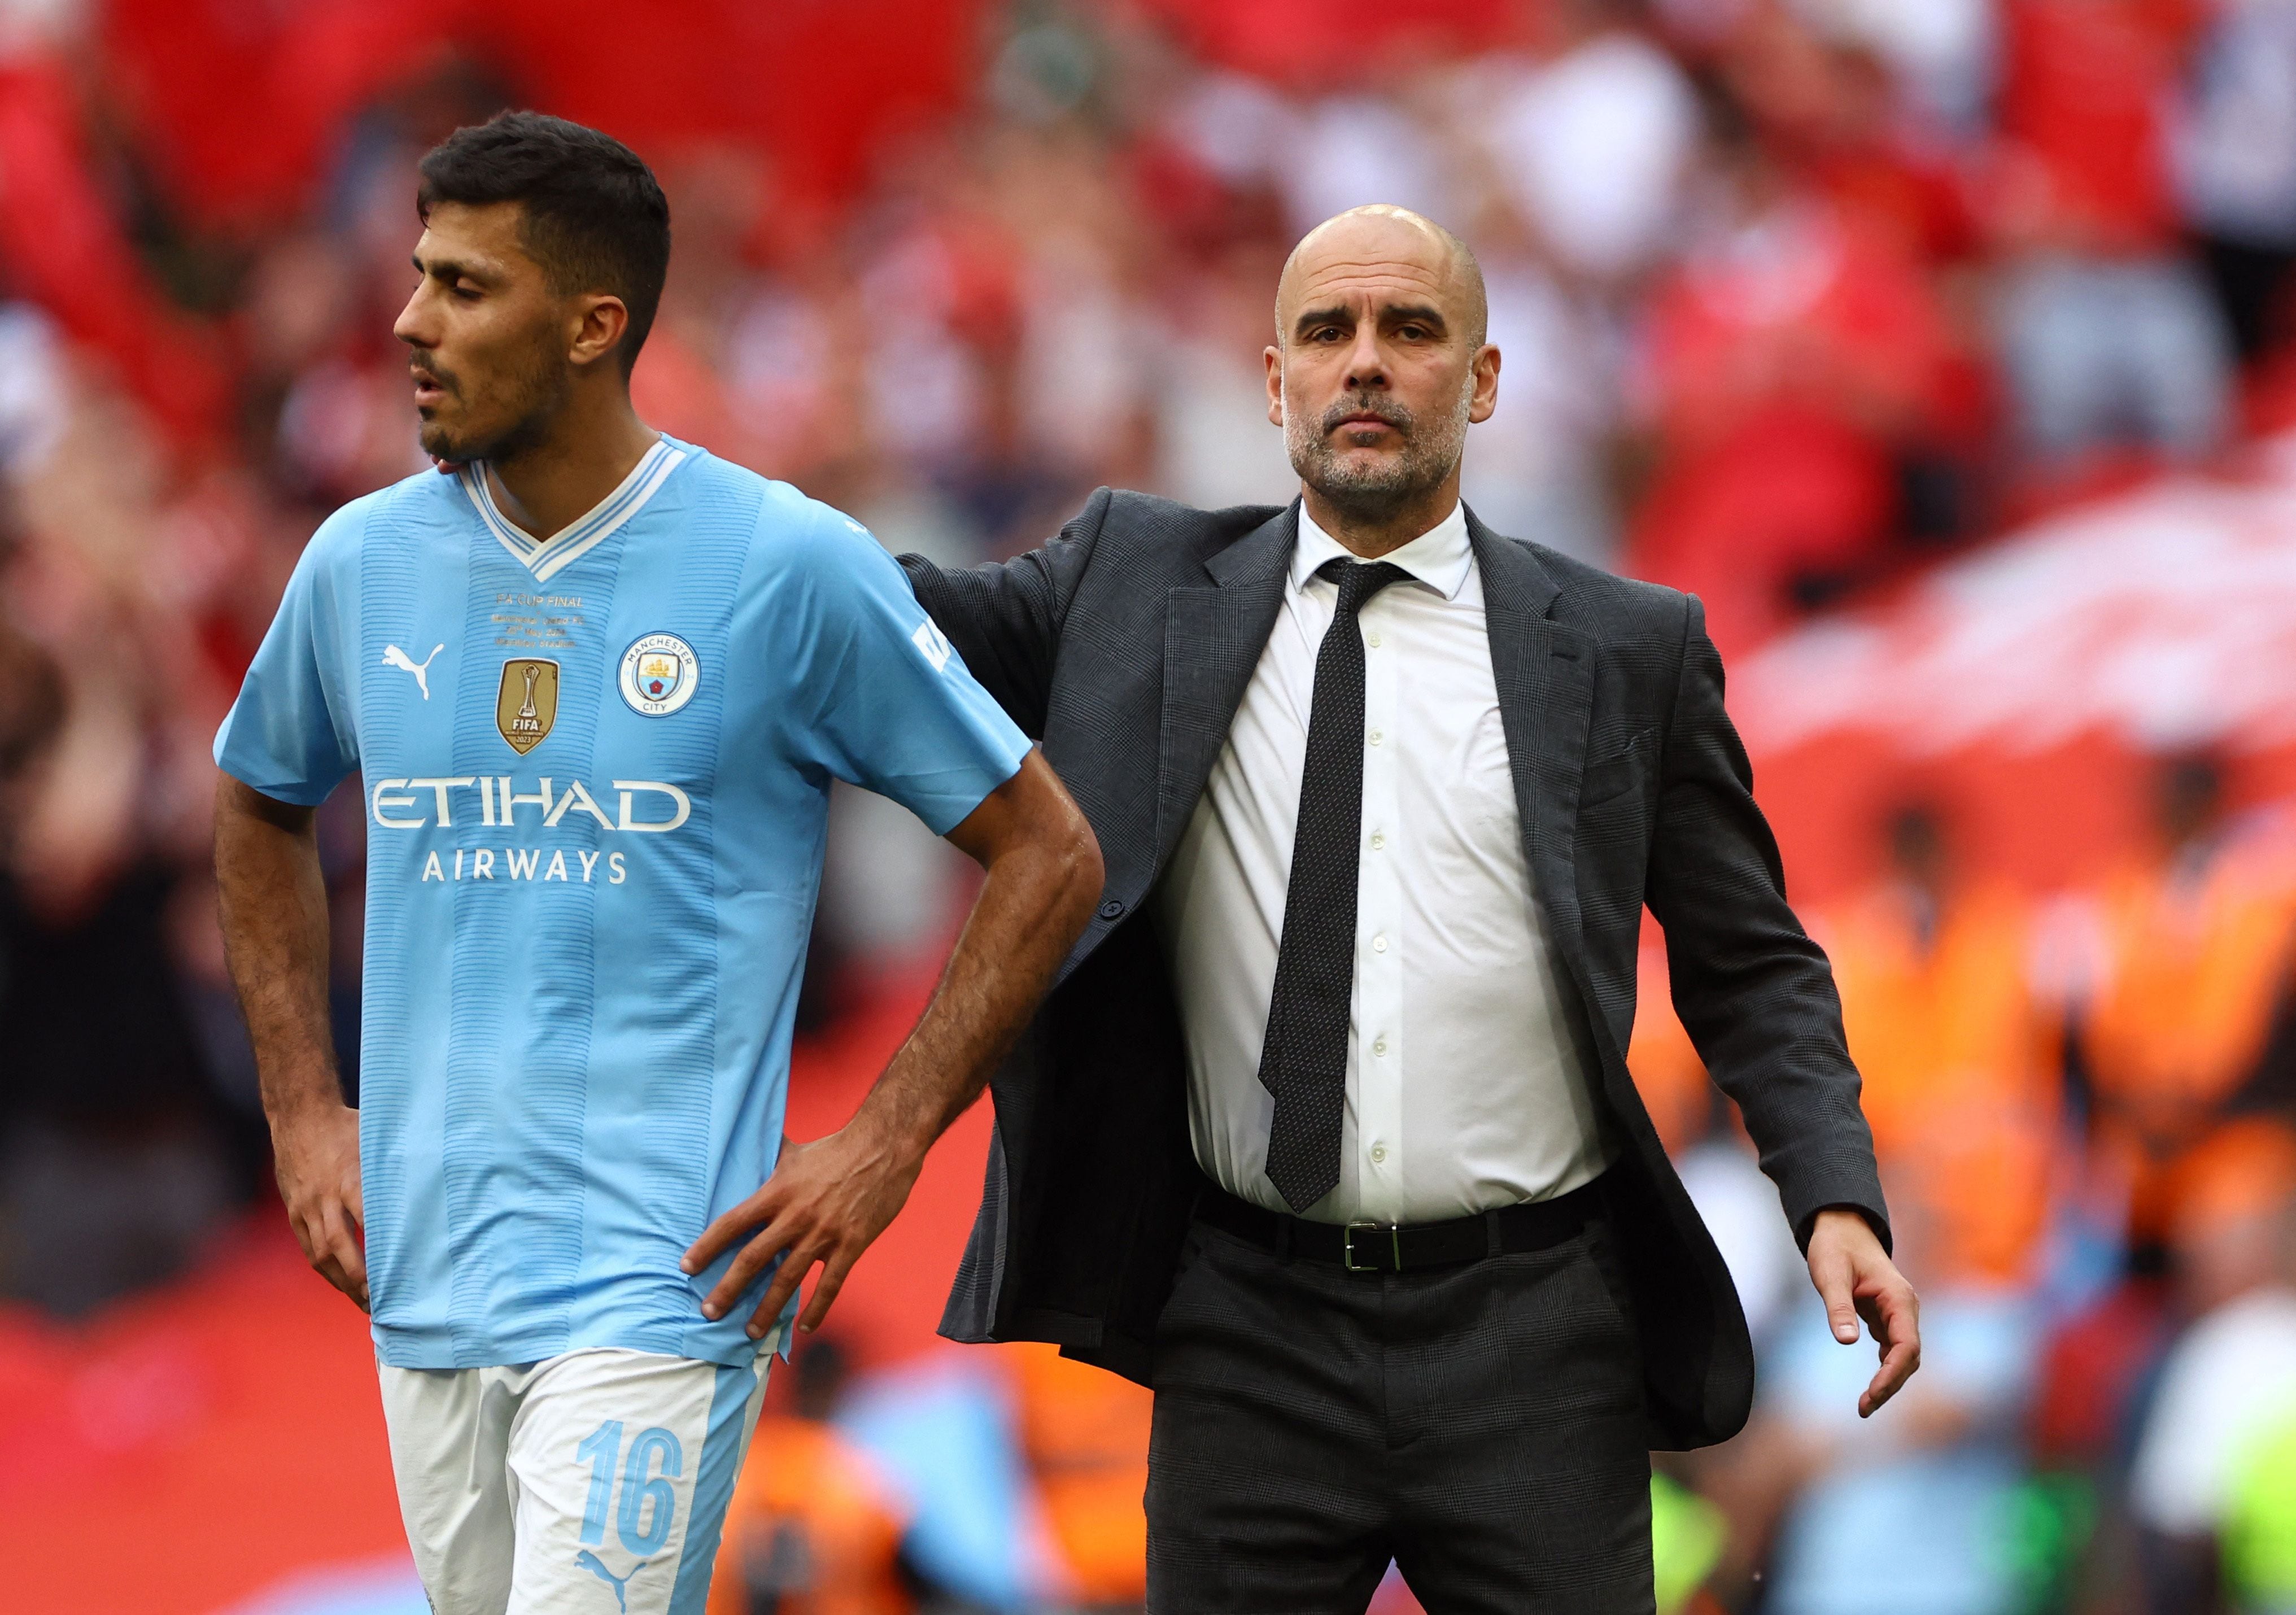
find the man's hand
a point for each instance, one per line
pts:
(825, 1203)
(1856, 1279)
(317, 1153)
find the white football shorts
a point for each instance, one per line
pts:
(596, 1481)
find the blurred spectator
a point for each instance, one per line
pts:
(2259, 1528)
(1942, 54)
(1542, 467)
(1085, 1435)
(1905, 1513)
(112, 1168)
(2236, 165)
(31, 711)
(1821, 93)
(1593, 137)
(1789, 292)
(1794, 362)
(1960, 1068)
(1348, 149)
(111, 1172)
(2109, 335)
(2230, 1382)
(2198, 945)
(945, 1429)
(1908, 1513)
(813, 1528)
(1215, 446)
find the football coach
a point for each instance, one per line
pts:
(1326, 1132)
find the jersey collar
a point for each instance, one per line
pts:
(546, 558)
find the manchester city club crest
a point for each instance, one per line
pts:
(659, 674)
(527, 703)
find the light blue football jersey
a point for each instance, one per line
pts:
(597, 774)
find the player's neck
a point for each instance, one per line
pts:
(566, 472)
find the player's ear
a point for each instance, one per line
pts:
(1483, 395)
(601, 319)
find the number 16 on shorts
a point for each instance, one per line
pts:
(649, 1498)
(596, 1481)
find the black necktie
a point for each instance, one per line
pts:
(1304, 1061)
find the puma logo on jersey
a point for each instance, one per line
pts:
(590, 1562)
(393, 657)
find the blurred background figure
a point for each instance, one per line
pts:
(1085, 1436)
(1902, 1514)
(2176, 1040)
(2112, 342)
(2211, 1458)
(1961, 1067)
(1803, 383)
(1948, 350)
(1960, 1092)
(813, 1528)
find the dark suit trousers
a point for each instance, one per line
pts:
(1482, 1425)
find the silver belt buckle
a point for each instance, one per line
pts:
(1347, 1246)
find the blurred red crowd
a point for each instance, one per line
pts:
(1795, 298)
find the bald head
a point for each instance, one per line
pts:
(1381, 363)
(1382, 242)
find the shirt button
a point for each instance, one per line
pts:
(1379, 1047)
(1374, 640)
(1376, 737)
(1378, 944)
(1377, 1153)
(1378, 840)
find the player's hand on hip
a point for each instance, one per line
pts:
(1856, 1279)
(825, 1203)
(317, 1158)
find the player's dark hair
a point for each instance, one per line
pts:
(595, 218)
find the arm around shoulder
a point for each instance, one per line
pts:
(1005, 618)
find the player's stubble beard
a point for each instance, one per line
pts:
(532, 386)
(1376, 493)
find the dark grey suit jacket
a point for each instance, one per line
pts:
(1124, 647)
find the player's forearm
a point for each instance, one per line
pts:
(272, 899)
(1036, 902)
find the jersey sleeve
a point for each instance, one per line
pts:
(891, 706)
(290, 735)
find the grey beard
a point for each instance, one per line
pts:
(1431, 450)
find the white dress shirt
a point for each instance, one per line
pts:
(1463, 1091)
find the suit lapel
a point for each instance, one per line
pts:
(1546, 678)
(1213, 637)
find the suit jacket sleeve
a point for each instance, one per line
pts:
(1755, 993)
(1005, 618)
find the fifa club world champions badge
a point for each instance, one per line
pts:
(526, 704)
(659, 674)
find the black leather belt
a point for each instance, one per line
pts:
(1388, 1248)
